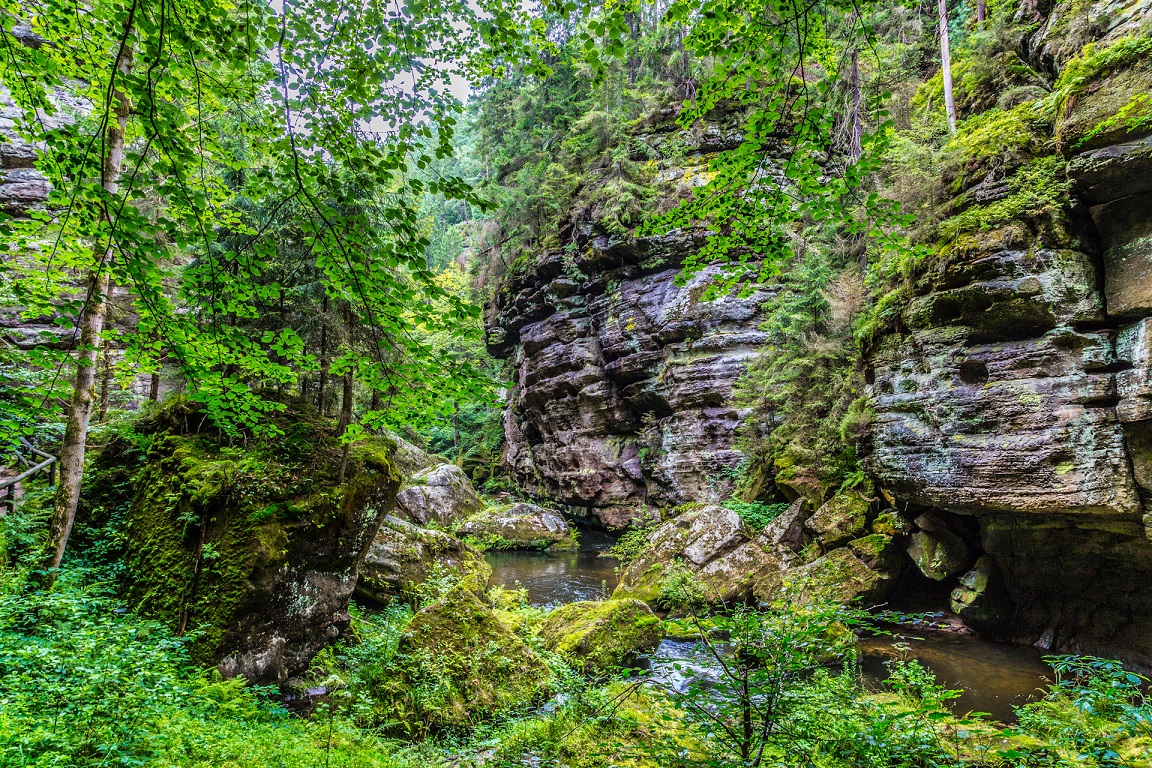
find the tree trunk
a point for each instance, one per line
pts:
(856, 146)
(634, 33)
(323, 355)
(981, 11)
(154, 387)
(71, 458)
(946, 65)
(105, 383)
(347, 397)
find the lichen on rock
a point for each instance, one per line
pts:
(439, 495)
(404, 556)
(519, 526)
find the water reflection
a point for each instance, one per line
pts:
(558, 577)
(993, 676)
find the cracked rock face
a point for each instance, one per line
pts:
(623, 377)
(441, 494)
(622, 400)
(403, 556)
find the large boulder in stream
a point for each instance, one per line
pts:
(602, 636)
(403, 556)
(439, 495)
(467, 662)
(255, 548)
(520, 526)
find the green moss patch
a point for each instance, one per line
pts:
(464, 663)
(208, 528)
(602, 636)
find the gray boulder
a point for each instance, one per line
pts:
(404, 556)
(521, 526)
(439, 495)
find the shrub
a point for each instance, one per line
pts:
(756, 514)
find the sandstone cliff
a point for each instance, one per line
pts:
(1014, 384)
(622, 375)
(1009, 377)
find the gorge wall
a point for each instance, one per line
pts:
(1014, 384)
(1010, 388)
(623, 376)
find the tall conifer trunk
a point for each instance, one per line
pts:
(856, 147)
(946, 65)
(323, 355)
(91, 325)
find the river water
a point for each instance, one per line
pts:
(993, 676)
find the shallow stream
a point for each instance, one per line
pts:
(993, 676)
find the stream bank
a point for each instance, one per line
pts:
(993, 676)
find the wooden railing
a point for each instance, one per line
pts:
(8, 486)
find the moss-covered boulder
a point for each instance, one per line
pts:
(980, 599)
(253, 547)
(520, 526)
(939, 554)
(840, 575)
(464, 663)
(404, 556)
(839, 520)
(714, 548)
(602, 636)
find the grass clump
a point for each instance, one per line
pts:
(756, 514)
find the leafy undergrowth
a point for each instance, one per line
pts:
(83, 683)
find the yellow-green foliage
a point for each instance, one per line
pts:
(1040, 186)
(1122, 105)
(462, 663)
(638, 727)
(1094, 62)
(1024, 129)
(87, 685)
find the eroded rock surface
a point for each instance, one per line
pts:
(403, 556)
(732, 563)
(623, 378)
(520, 526)
(440, 495)
(1014, 388)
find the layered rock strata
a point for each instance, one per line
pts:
(1016, 387)
(623, 376)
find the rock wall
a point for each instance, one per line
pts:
(621, 403)
(1015, 385)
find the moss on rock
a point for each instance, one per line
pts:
(465, 664)
(602, 636)
(520, 526)
(254, 549)
(838, 520)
